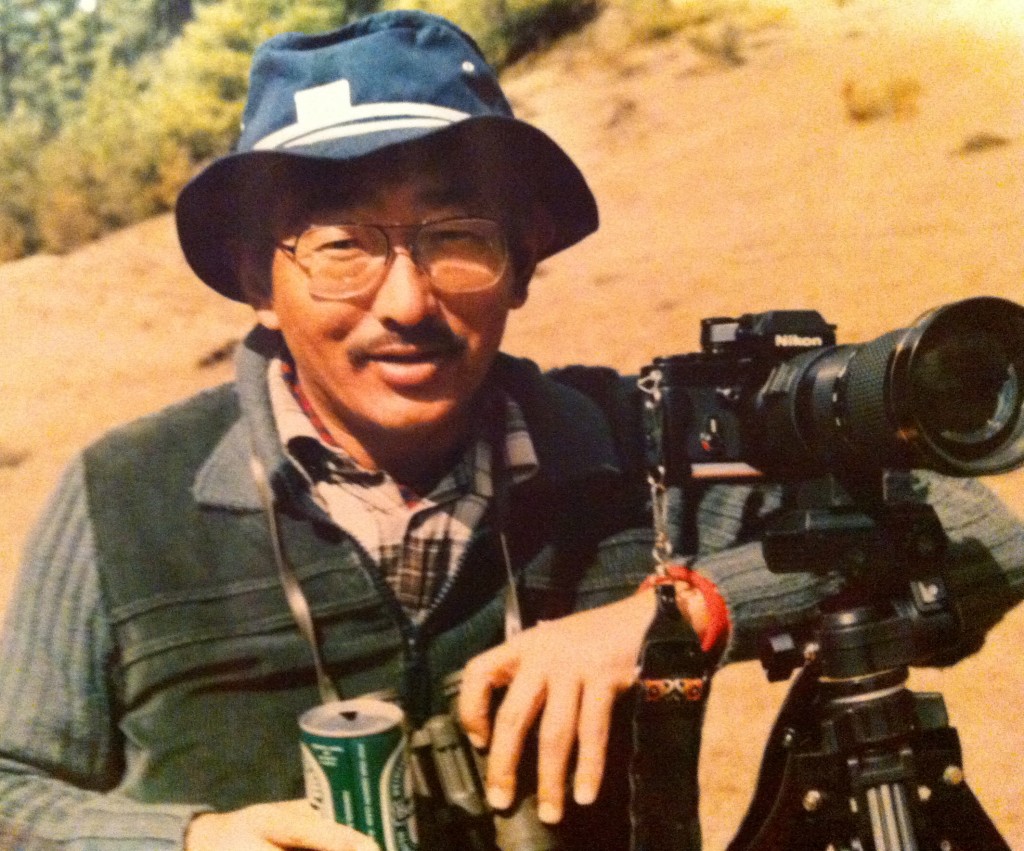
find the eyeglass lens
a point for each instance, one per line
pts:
(458, 255)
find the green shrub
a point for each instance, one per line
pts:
(13, 238)
(530, 26)
(20, 139)
(98, 173)
(66, 220)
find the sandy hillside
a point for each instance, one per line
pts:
(732, 179)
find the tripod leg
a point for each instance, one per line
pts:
(961, 823)
(892, 827)
(774, 812)
(877, 796)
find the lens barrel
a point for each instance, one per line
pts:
(946, 393)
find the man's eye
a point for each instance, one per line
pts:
(341, 246)
(456, 235)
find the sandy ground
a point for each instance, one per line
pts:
(732, 178)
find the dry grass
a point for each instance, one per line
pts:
(890, 97)
(718, 29)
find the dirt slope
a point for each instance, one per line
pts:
(731, 178)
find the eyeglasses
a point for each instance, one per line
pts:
(458, 255)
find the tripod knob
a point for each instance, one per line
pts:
(780, 656)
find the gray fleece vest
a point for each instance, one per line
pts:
(211, 672)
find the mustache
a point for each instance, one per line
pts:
(428, 337)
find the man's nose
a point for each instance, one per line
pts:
(405, 295)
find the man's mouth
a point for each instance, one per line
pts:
(404, 354)
(406, 365)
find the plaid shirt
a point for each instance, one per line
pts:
(416, 541)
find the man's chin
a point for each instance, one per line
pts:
(417, 409)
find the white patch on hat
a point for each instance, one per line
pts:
(326, 112)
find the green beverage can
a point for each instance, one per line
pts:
(353, 760)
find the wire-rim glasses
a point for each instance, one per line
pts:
(344, 261)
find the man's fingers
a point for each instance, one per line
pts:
(556, 739)
(592, 737)
(480, 677)
(266, 827)
(515, 717)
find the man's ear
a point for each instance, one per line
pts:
(539, 233)
(253, 268)
(535, 240)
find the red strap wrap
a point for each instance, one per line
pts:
(718, 613)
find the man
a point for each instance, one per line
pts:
(380, 496)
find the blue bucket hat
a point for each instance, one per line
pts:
(387, 80)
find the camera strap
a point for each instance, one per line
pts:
(675, 671)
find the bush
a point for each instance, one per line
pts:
(66, 220)
(13, 238)
(20, 140)
(99, 173)
(654, 19)
(530, 26)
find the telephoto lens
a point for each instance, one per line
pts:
(946, 393)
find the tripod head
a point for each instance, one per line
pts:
(888, 547)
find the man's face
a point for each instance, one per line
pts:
(403, 359)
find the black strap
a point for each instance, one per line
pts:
(672, 694)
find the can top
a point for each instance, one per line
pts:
(360, 716)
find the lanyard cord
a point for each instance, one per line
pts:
(651, 385)
(500, 484)
(293, 592)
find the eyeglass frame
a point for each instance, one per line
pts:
(410, 244)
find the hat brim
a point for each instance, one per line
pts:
(211, 207)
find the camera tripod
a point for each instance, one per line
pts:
(856, 761)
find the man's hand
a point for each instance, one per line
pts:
(270, 827)
(569, 673)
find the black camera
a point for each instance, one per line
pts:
(772, 394)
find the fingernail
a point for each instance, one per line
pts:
(548, 813)
(584, 795)
(499, 799)
(477, 741)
